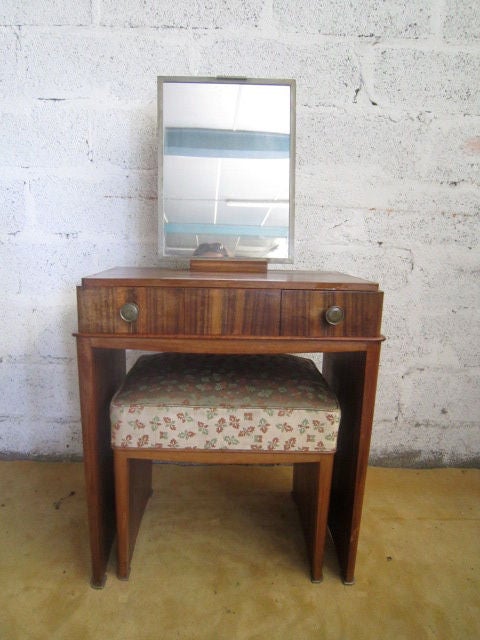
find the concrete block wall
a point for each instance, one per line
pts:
(388, 185)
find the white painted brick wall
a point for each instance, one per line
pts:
(388, 185)
(392, 19)
(46, 12)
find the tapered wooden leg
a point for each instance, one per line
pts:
(353, 378)
(100, 374)
(311, 492)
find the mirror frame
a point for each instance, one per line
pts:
(161, 80)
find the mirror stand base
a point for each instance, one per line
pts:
(227, 265)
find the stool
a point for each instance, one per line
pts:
(224, 409)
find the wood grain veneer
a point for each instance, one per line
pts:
(225, 312)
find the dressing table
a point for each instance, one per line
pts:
(234, 308)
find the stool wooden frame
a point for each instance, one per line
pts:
(133, 486)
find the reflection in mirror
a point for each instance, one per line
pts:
(226, 167)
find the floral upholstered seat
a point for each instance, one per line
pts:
(225, 402)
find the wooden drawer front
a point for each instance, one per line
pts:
(232, 312)
(166, 311)
(160, 310)
(303, 313)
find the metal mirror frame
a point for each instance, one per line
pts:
(161, 80)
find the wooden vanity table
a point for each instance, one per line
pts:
(196, 311)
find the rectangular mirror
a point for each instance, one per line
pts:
(226, 167)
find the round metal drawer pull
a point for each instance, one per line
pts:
(129, 312)
(334, 315)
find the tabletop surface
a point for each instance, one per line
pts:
(162, 277)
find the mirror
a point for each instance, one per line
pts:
(226, 167)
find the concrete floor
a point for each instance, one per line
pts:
(220, 555)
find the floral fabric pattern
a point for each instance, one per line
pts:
(225, 402)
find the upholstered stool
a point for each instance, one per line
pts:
(224, 409)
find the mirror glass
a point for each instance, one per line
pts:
(226, 167)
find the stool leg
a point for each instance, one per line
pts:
(122, 507)
(324, 483)
(311, 492)
(140, 491)
(133, 488)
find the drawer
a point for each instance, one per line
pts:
(171, 311)
(307, 313)
(160, 310)
(232, 312)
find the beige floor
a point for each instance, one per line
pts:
(220, 555)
